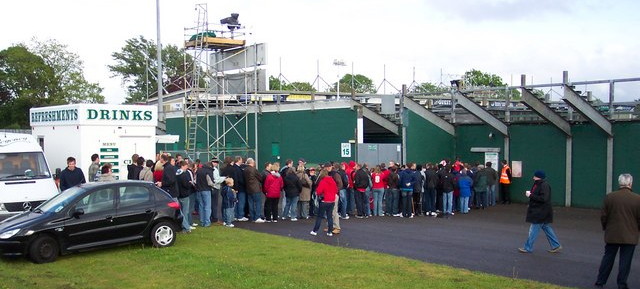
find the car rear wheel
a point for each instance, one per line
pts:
(43, 249)
(163, 235)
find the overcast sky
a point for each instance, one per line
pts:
(593, 40)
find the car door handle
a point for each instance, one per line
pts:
(110, 218)
(148, 211)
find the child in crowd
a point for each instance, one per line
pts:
(229, 201)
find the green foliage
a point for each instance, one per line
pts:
(476, 78)
(137, 66)
(357, 83)
(281, 85)
(41, 75)
(428, 87)
(219, 257)
(70, 84)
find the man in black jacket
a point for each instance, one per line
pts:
(360, 184)
(203, 189)
(237, 175)
(169, 182)
(71, 176)
(540, 214)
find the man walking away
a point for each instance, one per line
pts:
(620, 220)
(540, 214)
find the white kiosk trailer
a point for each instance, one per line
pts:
(114, 132)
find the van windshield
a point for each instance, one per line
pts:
(23, 165)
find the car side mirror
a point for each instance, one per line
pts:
(78, 212)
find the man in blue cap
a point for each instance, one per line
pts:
(540, 214)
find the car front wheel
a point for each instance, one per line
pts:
(163, 235)
(43, 249)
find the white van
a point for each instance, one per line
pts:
(25, 178)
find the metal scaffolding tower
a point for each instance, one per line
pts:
(214, 113)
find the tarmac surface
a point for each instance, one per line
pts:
(483, 240)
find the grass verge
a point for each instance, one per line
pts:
(219, 257)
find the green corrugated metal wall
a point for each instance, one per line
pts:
(426, 142)
(314, 135)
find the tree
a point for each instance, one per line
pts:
(477, 78)
(25, 81)
(281, 85)
(70, 86)
(136, 64)
(358, 83)
(428, 87)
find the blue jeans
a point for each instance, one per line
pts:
(491, 192)
(447, 202)
(378, 194)
(204, 207)
(290, 209)
(325, 211)
(429, 200)
(407, 198)
(227, 215)
(242, 199)
(393, 198)
(534, 229)
(255, 206)
(184, 208)
(343, 203)
(367, 202)
(464, 204)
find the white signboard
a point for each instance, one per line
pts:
(345, 150)
(516, 169)
(493, 158)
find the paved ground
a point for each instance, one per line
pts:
(483, 240)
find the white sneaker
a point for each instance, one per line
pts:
(230, 226)
(192, 228)
(259, 220)
(397, 215)
(294, 219)
(283, 218)
(275, 221)
(194, 225)
(330, 234)
(313, 233)
(243, 219)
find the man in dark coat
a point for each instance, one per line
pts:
(540, 214)
(169, 181)
(253, 181)
(620, 221)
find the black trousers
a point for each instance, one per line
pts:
(505, 193)
(417, 205)
(215, 204)
(361, 200)
(624, 266)
(271, 208)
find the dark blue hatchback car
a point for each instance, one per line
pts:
(91, 216)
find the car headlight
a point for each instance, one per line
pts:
(9, 234)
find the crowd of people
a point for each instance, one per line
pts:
(335, 191)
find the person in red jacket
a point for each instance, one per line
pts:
(326, 192)
(272, 186)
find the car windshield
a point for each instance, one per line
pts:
(59, 202)
(23, 165)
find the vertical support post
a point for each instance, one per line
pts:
(565, 81)
(159, 59)
(568, 170)
(611, 99)
(507, 112)
(403, 125)
(609, 164)
(506, 149)
(255, 132)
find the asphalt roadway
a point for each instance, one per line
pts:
(483, 240)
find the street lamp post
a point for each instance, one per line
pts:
(338, 63)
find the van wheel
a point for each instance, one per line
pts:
(43, 249)
(163, 235)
